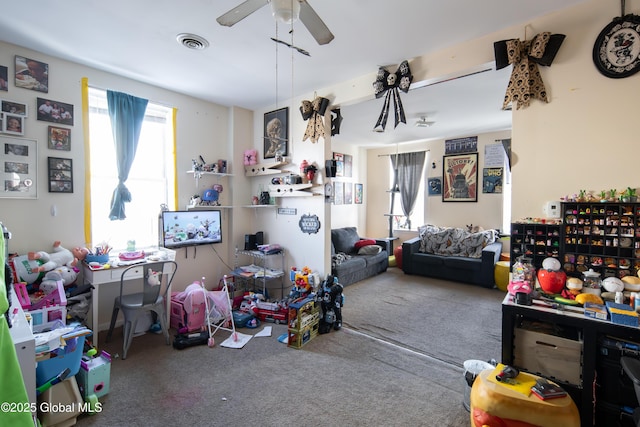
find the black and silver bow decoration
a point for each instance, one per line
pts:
(314, 111)
(336, 121)
(525, 81)
(389, 83)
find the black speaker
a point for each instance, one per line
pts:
(259, 238)
(249, 242)
(330, 166)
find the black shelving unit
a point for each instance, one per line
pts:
(604, 237)
(535, 241)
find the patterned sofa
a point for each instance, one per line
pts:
(453, 254)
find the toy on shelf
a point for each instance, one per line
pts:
(304, 281)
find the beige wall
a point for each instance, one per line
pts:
(203, 128)
(584, 138)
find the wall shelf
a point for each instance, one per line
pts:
(265, 169)
(192, 172)
(294, 190)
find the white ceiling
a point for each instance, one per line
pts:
(137, 39)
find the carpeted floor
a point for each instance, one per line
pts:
(397, 361)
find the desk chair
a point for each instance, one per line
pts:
(155, 278)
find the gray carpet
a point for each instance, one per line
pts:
(397, 361)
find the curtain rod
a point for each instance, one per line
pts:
(92, 86)
(408, 152)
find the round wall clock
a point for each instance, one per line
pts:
(616, 52)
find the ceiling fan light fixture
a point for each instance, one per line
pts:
(286, 11)
(424, 123)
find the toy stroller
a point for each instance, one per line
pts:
(223, 305)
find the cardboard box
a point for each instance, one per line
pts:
(548, 355)
(596, 311)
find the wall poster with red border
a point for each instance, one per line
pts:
(460, 178)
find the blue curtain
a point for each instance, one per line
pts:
(127, 114)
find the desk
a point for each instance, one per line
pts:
(25, 347)
(591, 331)
(101, 277)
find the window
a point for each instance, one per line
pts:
(417, 216)
(151, 179)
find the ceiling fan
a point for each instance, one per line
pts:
(283, 10)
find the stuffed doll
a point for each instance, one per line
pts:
(59, 257)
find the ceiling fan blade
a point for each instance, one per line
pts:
(240, 12)
(314, 24)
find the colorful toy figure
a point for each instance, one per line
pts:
(331, 301)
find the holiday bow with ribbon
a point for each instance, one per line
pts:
(314, 111)
(525, 81)
(389, 83)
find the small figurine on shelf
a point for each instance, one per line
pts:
(310, 172)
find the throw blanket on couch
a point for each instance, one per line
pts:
(451, 241)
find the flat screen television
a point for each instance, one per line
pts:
(190, 228)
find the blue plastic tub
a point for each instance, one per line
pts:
(68, 357)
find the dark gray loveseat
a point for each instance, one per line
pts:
(347, 264)
(477, 270)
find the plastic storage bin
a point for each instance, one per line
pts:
(67, 357)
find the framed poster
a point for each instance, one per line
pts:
(19, 168)
(276, 133)
(460, 178)
(492, 180)
(435, 186)
(359, 194)
(59, 138)
(338, 193)
(348, 193)
(60, 174)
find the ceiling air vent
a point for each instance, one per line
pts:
(192, 41)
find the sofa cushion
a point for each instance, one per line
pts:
(451, 241)
(344, 239)
(428, 259)
(375, 259)
(364, 242)
(463, 263)
(369, 250)
(352, 263)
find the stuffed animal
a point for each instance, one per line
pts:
(59, 257)
(250, 157)
(153, 277)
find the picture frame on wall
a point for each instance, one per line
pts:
(276, 133)
(59, 138)
(31, 74)
(338, 193)
(12, 124)
(13, 107)
(460, 178)
(19, 160)
(55, 111)
(358, 194)
(4, 78)
(348, 193)
(60, 175)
